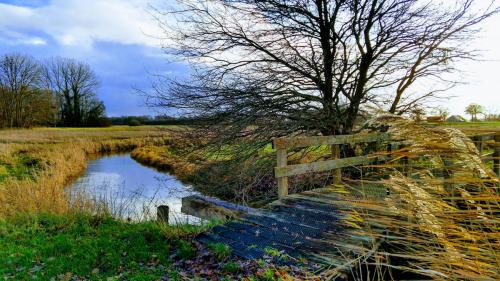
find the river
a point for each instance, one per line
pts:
(131, 190)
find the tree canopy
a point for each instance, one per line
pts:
(23, 103)
(473, 110)
(59, 91)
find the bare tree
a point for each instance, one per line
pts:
(75, 84)
(19, 79)
(274, 67)
(443, 112)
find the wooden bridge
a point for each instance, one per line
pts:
(315, 228)
(312, 228)
(319, 228)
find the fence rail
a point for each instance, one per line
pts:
(296, 142)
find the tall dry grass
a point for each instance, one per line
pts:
(438, 216)
(61, 156)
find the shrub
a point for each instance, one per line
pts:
(134, 122)
(99, 122)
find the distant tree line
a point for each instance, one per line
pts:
(59, 91)
(474, 110)
(154, 120)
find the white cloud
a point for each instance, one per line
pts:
(81, 23)
(34, 41)
(16, 38)
(77, 24)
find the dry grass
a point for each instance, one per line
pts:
(162, 158)
(441, 215)
(55, 158)
(472, 128)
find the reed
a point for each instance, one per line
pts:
(440, 214)
(36, 165)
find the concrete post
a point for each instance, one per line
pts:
(162, 214)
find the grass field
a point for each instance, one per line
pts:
(82, 247)
(57, 135)
(36, 164)
(472, 128)
(488, 124)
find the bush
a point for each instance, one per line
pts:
(134, 122)
(104, 122)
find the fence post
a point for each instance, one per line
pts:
(478, 141)
(282, 161)
(162, 214)
(337, 173)
(406, 166)
(496, 155)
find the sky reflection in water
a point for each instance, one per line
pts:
(132, 190)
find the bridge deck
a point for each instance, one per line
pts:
(316, 228)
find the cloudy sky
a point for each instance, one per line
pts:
(119, 39)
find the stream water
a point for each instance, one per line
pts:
(131, 190)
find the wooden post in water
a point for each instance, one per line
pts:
(282, 161)
(336, 173)
(162, 214)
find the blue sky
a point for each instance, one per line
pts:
(119, 39)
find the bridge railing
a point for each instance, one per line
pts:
(282, 171)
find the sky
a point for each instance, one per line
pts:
(122, 42)
(117, 38)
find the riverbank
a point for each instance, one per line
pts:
(36, 165)
(225, 174)
(83, 247)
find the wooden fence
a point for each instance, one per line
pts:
(282, 171)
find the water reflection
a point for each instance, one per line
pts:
(131, 190)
